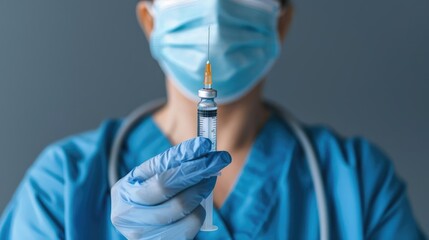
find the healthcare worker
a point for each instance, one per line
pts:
(266, 189)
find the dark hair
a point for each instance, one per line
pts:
(284, 2)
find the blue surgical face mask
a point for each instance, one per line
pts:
(244, 43)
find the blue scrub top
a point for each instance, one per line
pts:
(65, 194)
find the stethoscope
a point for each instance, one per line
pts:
(147, 109)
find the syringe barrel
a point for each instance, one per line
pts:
(207, 121)
(208, 221)
(207, 127)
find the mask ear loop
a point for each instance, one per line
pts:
(149, 6)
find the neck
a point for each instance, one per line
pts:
(238, 122)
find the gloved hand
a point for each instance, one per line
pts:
(161, 197)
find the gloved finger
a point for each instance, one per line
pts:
(172, 210)
(186, 228)
(187, 150)
(165, 185)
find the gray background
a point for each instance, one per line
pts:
(359, 66)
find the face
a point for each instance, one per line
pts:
(245, 41)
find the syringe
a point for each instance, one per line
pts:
(207, 123)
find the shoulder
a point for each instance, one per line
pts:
(354, 158)
(76, 152)
(355, 152)
(362, 163)
(354, 166)
(87, 143)
(55, 183)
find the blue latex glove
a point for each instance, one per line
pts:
(161, 197)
